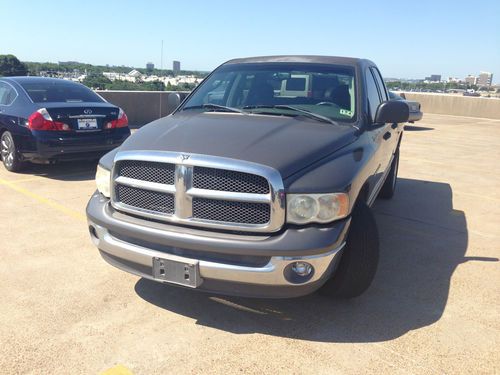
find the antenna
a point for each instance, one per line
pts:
(161, 60)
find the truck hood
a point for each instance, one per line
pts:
(287, 144)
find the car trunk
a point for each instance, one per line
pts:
(83, 117)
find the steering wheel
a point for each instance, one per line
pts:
(326, 103)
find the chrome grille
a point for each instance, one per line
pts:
(224, 180)
(147, 171)
(232, 212)
(199, 190)
(145, 199)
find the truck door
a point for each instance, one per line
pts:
(380, 133)
(395, 129)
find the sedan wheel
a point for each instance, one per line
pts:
(9, 153)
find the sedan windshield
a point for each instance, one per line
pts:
(59, 91)
(327, 91)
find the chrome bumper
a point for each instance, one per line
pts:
(272, 274)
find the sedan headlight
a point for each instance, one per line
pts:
(316, 208)
(103, 181)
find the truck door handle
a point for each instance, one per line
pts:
(394, 126)
(387, 136)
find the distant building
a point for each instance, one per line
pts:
(150, 66)
(485, 79)
(176, 67)
(134, 73)
(470, 80)
(434, 78)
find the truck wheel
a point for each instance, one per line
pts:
(358, 264)
(9, 153)
(389, 186)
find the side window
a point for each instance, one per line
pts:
(372, 93)
(7, 94)
(380, 84)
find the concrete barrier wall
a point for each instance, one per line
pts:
(457, 105)
(145, 106)
(142, 107)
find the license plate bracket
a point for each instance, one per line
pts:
(87, 124)
(176, 272)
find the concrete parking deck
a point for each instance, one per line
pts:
(433, 308)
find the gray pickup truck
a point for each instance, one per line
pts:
(259, 184)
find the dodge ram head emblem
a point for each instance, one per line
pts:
(185, 157)
(87, 111)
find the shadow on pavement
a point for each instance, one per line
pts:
(416, 128)
(63, 171)
(423, 239)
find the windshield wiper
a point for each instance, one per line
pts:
(292, 108)
(215, 107)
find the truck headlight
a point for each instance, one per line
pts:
(316, 208)
(103, 181)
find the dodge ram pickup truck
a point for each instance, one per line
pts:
(245, 191)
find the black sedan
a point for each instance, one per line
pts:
(45, 120)
(415, 111)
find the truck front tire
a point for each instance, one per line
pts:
(358, 264)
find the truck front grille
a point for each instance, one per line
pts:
(232, 212)
(145, 199)
(231, 195)
(224, 180)
(148, 171)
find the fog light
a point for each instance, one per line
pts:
(302, 269)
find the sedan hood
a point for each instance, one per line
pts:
(287, 144)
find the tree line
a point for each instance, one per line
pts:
(10, 66)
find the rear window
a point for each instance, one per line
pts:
(60, 91)
(296, 84)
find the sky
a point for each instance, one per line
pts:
(406, 39)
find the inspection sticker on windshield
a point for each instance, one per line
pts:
(345, 112)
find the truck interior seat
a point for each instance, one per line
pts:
(339, 95)
(261, 92)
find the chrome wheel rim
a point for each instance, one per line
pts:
(7, 151)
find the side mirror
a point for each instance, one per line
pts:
(392, 111)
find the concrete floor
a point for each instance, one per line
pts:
(433, 308)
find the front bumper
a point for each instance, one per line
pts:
(131, 243)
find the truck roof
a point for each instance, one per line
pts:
(335, 60)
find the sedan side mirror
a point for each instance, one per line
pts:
(173, 100)
(392, 111)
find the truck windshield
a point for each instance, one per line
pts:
(274, 88)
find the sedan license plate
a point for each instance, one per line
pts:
(87, 124)
(187, 274)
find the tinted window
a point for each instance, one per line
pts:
(372, 92)
(59, 91)
(326, 90)
(380, 83)
(7, 94)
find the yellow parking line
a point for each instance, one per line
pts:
(117, 370)
(6, 182)
(45, 201)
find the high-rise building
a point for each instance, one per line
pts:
(176, 67)
(150, 66)
(470, 80)
(434, 78)
(485, 79)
